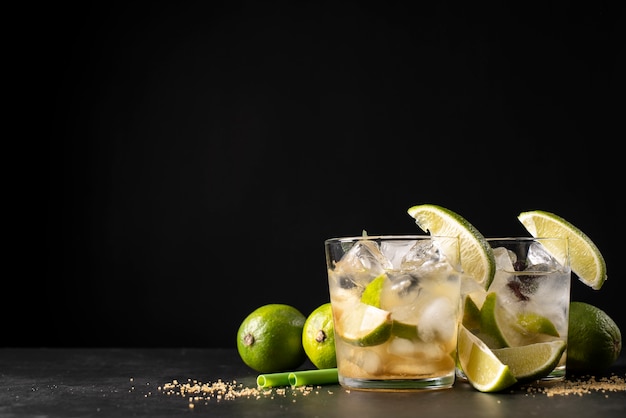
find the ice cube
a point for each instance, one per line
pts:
(399, 294)
(505, 259)
(361, 263)
(401, 347)
(395, 251)
(422, 252)
(438, 320)
(368, 360)
(540, 260)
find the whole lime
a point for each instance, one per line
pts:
(594, 340)
(269, 339)
(318, 337)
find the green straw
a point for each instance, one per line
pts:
(314, 377)
(298, 378)
(273, 379)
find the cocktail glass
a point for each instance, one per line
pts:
(528, 300)
(396, 309)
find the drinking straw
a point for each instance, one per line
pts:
(314, 377)
(298, 378)
(273, 379)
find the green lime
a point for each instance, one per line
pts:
(365, 325)
(492, 324)
(404, 330)
(318, 337)
(269, 339)
(484, 371)
(471, 314)
(506, 329)
(371, 294)
(533, 323)
(594, 340)
(585, 257)
(533, 361)
(477, 258)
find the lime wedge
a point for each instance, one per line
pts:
(586, 260)
(404, 330)
(532, 362)
(477, 258)
(502, 328)
(533, 323)
(492, 324)
(484, 371)
(371, 294)
(365, 325)
(471, 314)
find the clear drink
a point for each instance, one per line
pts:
(396, 308)
(528, 299)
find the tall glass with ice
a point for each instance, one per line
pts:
(528, 300)
(397, 309)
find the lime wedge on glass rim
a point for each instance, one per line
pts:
(585, 257)
(477, 259)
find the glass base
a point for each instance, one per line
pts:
(395, 385)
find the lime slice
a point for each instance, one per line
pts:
(586, 260)
(492, 324)
(506, 329)
(477, 258)
(365, 325)
(484, 371)
(533, 323)
(533, 361)
(371, 294)
(404, 330)
(471, 314)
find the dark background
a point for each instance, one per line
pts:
(176, 165)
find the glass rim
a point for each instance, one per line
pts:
(511, 238)
(388, 237)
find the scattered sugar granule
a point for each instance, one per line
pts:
(582, 386)
(218, 391)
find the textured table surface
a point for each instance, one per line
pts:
(129, 382)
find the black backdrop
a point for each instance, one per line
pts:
(178, 164)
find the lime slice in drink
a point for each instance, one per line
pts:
(477, 258)
(586, 260)
(533, 361)
(502, 328)
(365, 325)
(533, 323)
(371, 294)
(404, 330)
(471, 314)
(492, 324)
(484, 371)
